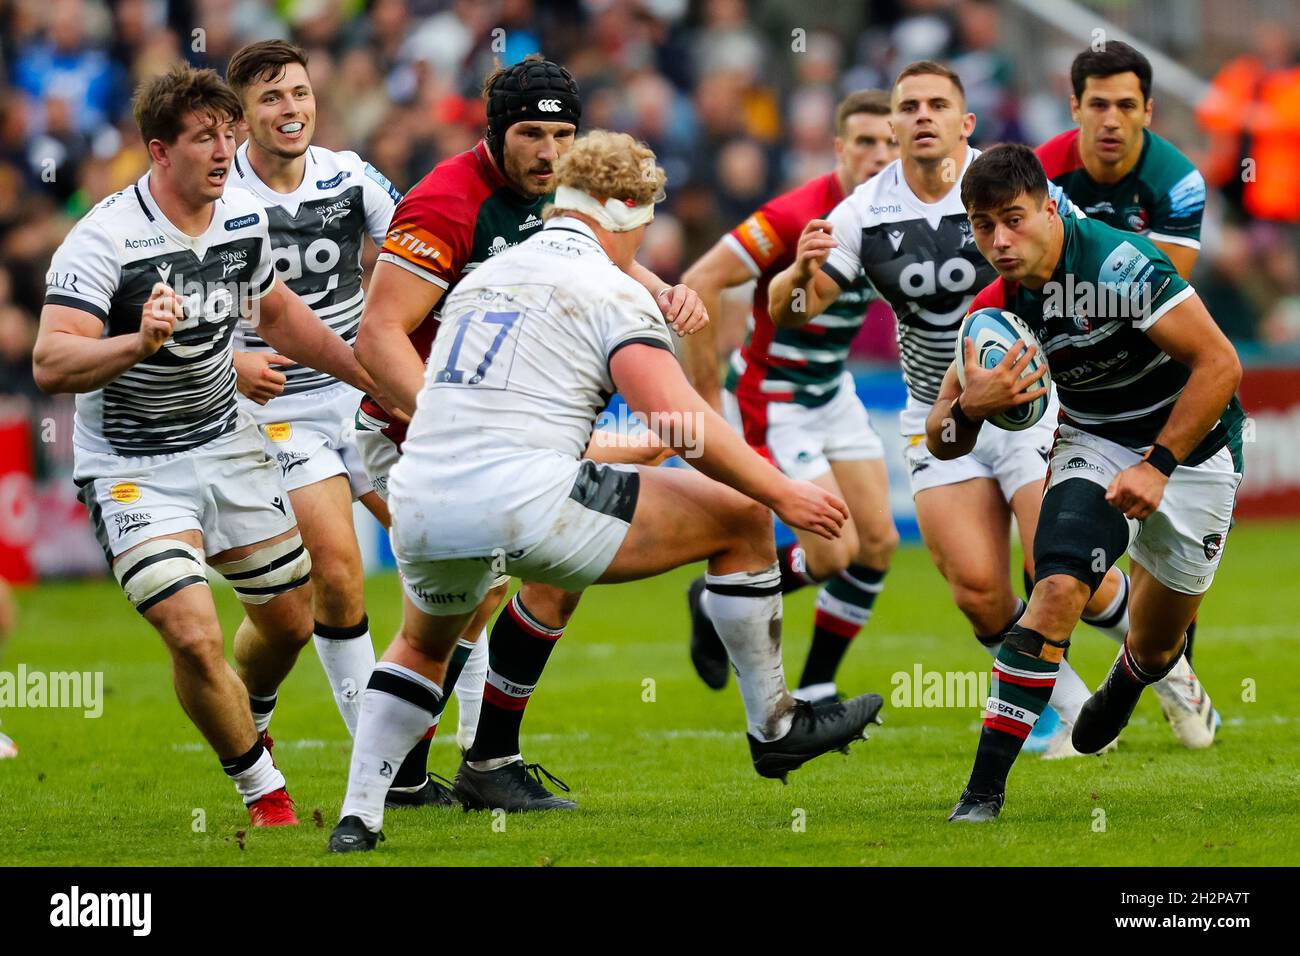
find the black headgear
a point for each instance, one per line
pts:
(536, 90)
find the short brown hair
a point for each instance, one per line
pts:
(263, 61)
(162, 103)
(875, 102)
(998, 175)
(931, 68)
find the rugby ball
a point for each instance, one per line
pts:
(994, 332)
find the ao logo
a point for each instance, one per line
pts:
(955, 275)
(321, 256)
(549, 106)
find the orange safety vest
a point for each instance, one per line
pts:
(1245, 101)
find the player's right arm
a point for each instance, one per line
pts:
(653, 384)
(396, 303)
(953, 425)
(72, 355)
(802, 291)
(717, 270)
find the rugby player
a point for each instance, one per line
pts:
(906, 231)
(788, 393)
(321, 206)
(468, 209)
(142, 302)
(1147, 456)
(491, 477)
(1120, 172)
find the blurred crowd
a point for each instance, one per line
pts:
(735, 97)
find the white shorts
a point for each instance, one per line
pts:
(1182, 543)
(227, 489)
(1012, 459)
(310, 435)
(575, 551)
(803, 441)
(378, 452)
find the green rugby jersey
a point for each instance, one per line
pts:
(1091, 318)
(1162, 197)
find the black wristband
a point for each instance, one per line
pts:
(960, 416)
(1162, 460)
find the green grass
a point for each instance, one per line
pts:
(669, 781)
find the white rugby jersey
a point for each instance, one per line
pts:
(518, 373)
(921, 258)
(316, 235)
(184, 394)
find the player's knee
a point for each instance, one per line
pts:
(1079, 534)
(338, 592)
(197, 650)
(750, 524)
(876, 547)
(1059, 594)
(268, 572)
(983, 602)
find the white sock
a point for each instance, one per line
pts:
(493, 763)
(1069, 694)
(814, 691)
(1116, 626)
(389, 725)
(469, 692)
(263, 708)
(748, 622)
(348, 661)
(259, 779)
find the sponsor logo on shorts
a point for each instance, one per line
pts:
(381, 486)
(1213, 544)
(129, 521)
(803, 457)
(125, 492)
(456, 597)
(289, 460)
(1080, 462)
(279, 504)
(279, 431)
(919, 467)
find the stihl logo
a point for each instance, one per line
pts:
(548, 106)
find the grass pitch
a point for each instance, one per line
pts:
(659, 763)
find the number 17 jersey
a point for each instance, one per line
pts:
(517, 375)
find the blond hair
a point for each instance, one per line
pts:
(610, 166)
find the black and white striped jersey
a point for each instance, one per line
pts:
(316, 236)
(184, 394)
(921, 258)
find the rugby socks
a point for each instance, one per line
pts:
(794, 568)
(413, 772)
(1018, 695)
(397, 708)
(254, 773)
(517, 653)
(1069, 693)
(469, 692)
(348, 656)
(843, 607)
(1127, 667)
(262, 708)
(745, 609)
(1113, 621)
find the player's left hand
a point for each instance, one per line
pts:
(1137, 491)
(255, 376)
(682, 309)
